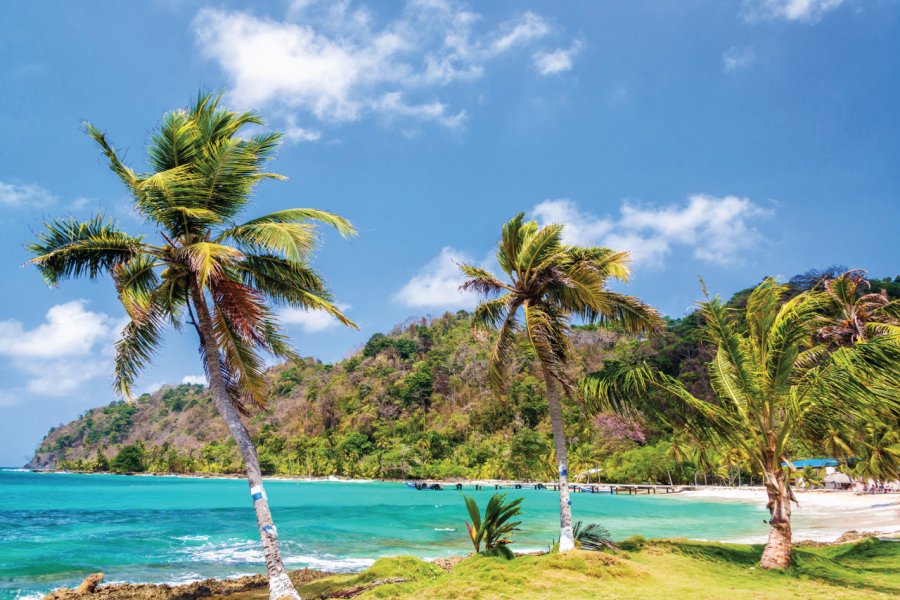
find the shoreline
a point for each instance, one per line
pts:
(823, 517)
(814, 518)
(255, 586)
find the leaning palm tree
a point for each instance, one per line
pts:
(773, 386)
(551, 282)
(206, 269)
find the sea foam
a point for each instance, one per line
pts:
(249, 552)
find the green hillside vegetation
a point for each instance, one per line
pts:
(412, 403)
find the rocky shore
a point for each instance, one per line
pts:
(241, 588)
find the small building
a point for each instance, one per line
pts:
(838, 481)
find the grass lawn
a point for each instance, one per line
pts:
(667, 569)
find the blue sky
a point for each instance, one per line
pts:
(731, 140)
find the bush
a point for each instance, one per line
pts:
(130, 459)
(417, 386)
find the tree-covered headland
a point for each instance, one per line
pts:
(413, 403)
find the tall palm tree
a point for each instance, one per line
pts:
(772, 386)
(205, 269)
(858, 314)
(551, 282)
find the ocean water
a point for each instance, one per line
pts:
(56, 528)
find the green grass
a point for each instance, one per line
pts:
(669, 569)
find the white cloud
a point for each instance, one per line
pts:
(437, 283)
(295, 133)
(24, 195)
(393, 104)
(737, 58)
(558, 61)
(311, 321)
(9, 398)
(194, 379)
(717, 229)
(806, 11)
(329, 59)
(71, 347)
(526, 28)
(580, 228)
(69, 330)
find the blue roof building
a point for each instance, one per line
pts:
(816, 463)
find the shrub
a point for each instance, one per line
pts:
(130, 459)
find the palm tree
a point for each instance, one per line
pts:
(206, 269)
(880, 452)
(858, 315)
(586, 460)
(550, 282)
(772, 386)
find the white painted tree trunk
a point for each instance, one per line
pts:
(280, 586)
(566, 537)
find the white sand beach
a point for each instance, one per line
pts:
(822, 515)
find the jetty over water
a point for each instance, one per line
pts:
(575, 488)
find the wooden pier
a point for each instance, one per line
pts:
(575, 488)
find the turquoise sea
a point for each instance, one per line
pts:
(55, 528)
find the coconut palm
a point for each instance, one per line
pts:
(859, 315)
(772, 387)
(592, 536)
(496, 528)
(879, 452)
(551, 282)
(586, 460)
(206, 268)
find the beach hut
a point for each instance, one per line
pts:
(838, 481)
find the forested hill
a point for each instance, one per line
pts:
(411, 403)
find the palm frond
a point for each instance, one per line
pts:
(481, 281)
(124, 173)
(208, 260)
(501, 354)
(294, 241)
(245, 368)
(606, 262)
(175, 142)
(592, 536)
(631, 314)
(68, 248)
(136, 281)
(511, 239)
(490, 314)
(538, 248)
(304, 216)
(139, 340)
(548, 334)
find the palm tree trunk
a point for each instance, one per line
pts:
(566, 538)
(777, 553)
(280, 586)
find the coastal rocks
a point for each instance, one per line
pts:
(89, 584)
(448, 562)
(90, 588)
